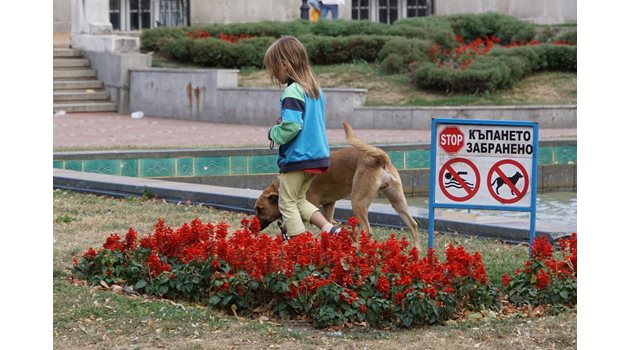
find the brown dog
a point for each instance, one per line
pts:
(360, 172)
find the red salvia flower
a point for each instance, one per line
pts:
(157, 266)
(90, 253)
(130, 240)
(541, 248)
(542, 279)
(113, 243)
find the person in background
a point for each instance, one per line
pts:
(330, 6)
(301, 133)
(315, 11)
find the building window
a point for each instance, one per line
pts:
(417, 8)
(173, 13)
(114, 14)
(387, 11)
(361, 9)
(139, 14)
(126, 15)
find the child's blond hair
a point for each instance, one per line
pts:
(289, 54)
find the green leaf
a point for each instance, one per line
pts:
(163, 289)
(140, 284)
(564, 295)
(214, 300)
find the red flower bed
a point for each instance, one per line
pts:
(232, 39)
(548, 277)
(465, 53)
(322, 277)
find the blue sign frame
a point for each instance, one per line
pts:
(533, 185)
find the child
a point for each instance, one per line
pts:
(301, 133)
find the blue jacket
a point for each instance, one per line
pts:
(301, 131)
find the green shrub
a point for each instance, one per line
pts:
(560, 58)
(153, 39)
(334, 50)
(429, 76)
(567, 36)
(394, 64)
(433, 28)
(213, 52)
(499, 69)
(399, 53)
(260, 29)
(484, 75)
(347, 27)
(179, 49)
(409, 49)
(506, 28)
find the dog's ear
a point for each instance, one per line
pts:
(273, 197)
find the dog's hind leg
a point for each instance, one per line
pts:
(396, 196)
(364, 190)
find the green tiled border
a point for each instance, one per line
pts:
(107, 166)
(158, 167)
(130, 168)
(173, 166)
(208, 166)
(185, 166)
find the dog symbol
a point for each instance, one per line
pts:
(499, 181)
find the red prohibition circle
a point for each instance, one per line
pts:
(506, 181)
(471, 191)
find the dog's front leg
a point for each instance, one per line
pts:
(328, 210)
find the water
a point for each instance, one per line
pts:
(551, 207)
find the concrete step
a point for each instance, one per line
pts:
(67, 52)
(85, 107)
(61, 45)
(71, 63)
(73, 74)
(77, 84)
(81, 95)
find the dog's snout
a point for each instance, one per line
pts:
(263, 223)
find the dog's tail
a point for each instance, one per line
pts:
(364, 147)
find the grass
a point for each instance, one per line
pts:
(99, 318)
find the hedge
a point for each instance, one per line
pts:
(500, 69)
(506, 28)
(437, 29)
(407, 45)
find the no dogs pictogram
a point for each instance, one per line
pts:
(459, 179)
(508, 181)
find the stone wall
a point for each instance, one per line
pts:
(212, 95)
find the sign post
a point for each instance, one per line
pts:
(483, 164)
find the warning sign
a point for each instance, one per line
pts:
(483, 164)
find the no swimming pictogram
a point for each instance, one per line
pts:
(459, 179)
(508, 181)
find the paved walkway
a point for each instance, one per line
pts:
(113, 130)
